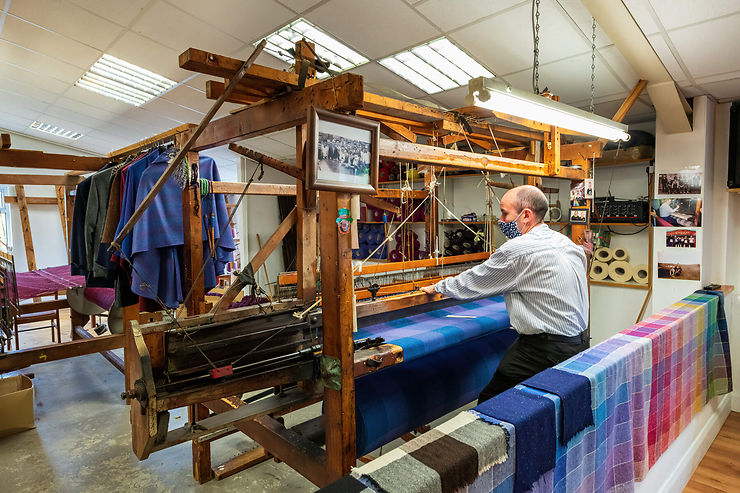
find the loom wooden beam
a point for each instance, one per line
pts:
(395, 193)
(20, 193)
(59, 189)
(343, 92)
(193, 245)
(5, 141)
(257, 261)
(38, 159)
(404, 151)
(237, 188)
(393, 303)
(6, 179)
(273, 163)
(380, 204)
(452, 139)
(154, 139)
(583, 150)
(16, 360)
(397, 131)
(32, 200)
(187, 147)
(241, 95)
(503, 134)
(630, 100)
(551, 151)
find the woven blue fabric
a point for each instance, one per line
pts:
(575, 399)
(401, 398)
(533, 418)
(436, 330)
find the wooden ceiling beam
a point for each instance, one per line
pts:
(40, 179)
(273, 163)
(148, 142)
(237, 188)
(38, 159)
(397, 132)
(33, 200)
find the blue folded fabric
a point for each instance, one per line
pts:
(533, 418)
(575, 399)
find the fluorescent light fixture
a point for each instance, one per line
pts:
(123, 81)
(54, 130)
(436, 66)
(498, 96)
(340, 56)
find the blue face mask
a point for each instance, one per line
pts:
(510, 229)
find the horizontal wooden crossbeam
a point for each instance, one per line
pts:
(6, 179)
(38, 159)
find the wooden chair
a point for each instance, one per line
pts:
(52, 316)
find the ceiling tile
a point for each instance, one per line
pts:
(36, 62)
(243, 19)
(689, 90)
(150, 55)
(299, 6)
(581, 17)
(85, 109)
(287, 137)
(375, 29)
(718, 77)
(29, 78)
(121, 13)
(68, 20)
(269, 146)
(677, 13)
(262, 59)
(379, 78)
(51, 44)
(76, 118)
(727, 90)
(20, 105)
(174, 111)
(504, 42)
(96, 100)
(27, 90)
(641, 12)
(666, 56)
(465, 11)
(454, 98)
(617, 62)
(64, 123)
(179, 31)
(717, 51)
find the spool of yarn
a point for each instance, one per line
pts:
(620, 271)
(555, 214)
(395, 256)
(620, 254)
(599, 270)
(640, 273)
(604, 254)
(383, 174)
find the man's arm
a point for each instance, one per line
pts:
(494, 276)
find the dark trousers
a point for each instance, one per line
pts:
(529, 355)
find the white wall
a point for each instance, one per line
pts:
(46, 226)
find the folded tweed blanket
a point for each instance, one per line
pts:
(443, 460)
(575, 399)
(533, 418)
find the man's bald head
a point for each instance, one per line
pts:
(529, 197)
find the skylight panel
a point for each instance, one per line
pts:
(341, 56)
(436, 66)
(123, 81)
(54, 130)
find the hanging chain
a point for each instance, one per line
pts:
(593, 62)
(536, 38)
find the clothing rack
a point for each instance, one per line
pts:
(155, 140)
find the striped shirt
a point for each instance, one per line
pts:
(542, 275)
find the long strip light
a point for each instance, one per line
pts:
(54, 130)
(123, 81)
(435, 66)
(340, 56)
(498, 96)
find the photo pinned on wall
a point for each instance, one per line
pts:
(578, 195)
(674, 212)
(588, 188)
(680, 183)
(679, 265)
(341, 152)
(680, 238)
(579, 215)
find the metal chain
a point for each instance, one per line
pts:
(536, 38)
(593, 62)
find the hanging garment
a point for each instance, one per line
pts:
(78, 253)
(97, 208)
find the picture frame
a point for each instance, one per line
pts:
(579, 215)
(342, 152)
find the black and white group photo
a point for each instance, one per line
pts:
(343, 154)
(680, 238)
(685, 183)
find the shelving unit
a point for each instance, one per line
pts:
(631, 284)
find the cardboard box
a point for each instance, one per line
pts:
(16, 405)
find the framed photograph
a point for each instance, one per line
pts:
(579, 215)
(680, 183)
(679, 265)
(675, 212)
(341, 152)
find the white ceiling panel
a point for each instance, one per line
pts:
(375, 29)
(464, 11)
(153, 121)
(666, 56)
(268, 146)
(121, 13)
(189, 97)
(300, 6)
(623, 70)
(19, 105)
(163, 107)
(49, 43)
(80, 107)
(57, 114)
(454, 98)
(29, 78)
(69, 20)
(677, 13)
(581, 18)
(179, 31)
(96, 100)
(36, 62)
(245, 20)
(150, 55)
(642, 13)
(697, 43)
(287, 137)
(27, 90)
(11, 121)
(726, 90)
(64, 123)
(377, 75)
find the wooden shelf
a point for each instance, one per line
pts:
(631, 284)
(395, 223)
(464, 222)
(635, 225)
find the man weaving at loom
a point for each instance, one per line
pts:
(542, 275)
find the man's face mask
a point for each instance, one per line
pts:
(510, 229)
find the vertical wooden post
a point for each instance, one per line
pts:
(305, 204)
(577, 230)
(337, 293)
(63, 216)
(130, 312)
(202, 471)
(432, 218)
(551, 152)
(20, 193)
(193, 243)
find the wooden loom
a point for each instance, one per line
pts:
(279, 100)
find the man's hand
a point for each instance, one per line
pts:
(429, 289)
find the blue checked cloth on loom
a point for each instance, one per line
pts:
(533, 418)
(432, 331)
(575, 399)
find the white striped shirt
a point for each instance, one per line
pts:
(542, 275)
